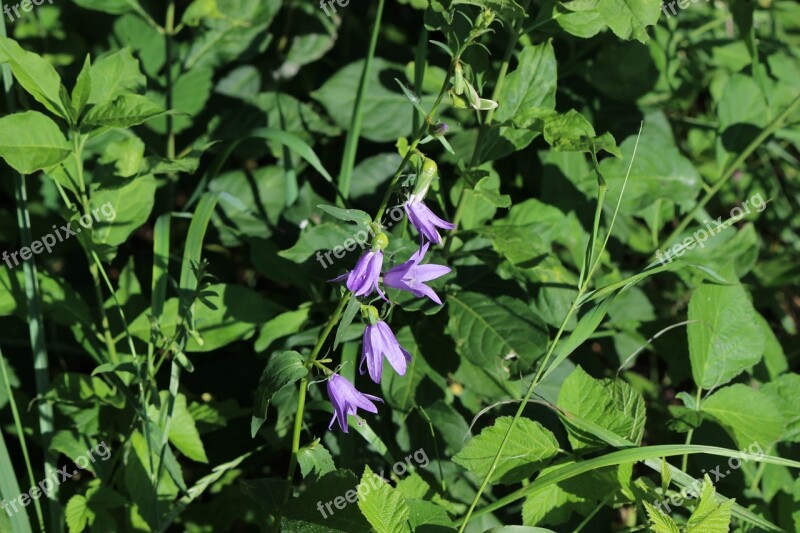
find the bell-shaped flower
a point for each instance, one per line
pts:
(363, 279)
(379, 341)
(424, 220)
(411, 276)
(347, 400)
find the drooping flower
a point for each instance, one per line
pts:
(411, 276)
(379, 341)
(347, 400)
(363, 279)
(425, 220)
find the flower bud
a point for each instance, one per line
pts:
(438, 129)
(380, 242)
(426, 176)
(370, 314)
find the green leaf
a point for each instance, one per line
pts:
(282, 325)
(571, 132)
(183, 431)
(120, 211)
(77, 514)
(785, 393)
(114, 75)
(315, 458)
(328, 505)
(528, 447)
(384, 507)
(660, 522)
(31, 141)
(629, 19)
(387, 113)
(510, 10)
(486, 329)
(748, 414)
(199, 10)
(124, 111)
(724, 337)
(531, 85)
(350, 215)
(282, 370)
(613, 405)
(350, 312)
(324, 237)
(709, 516)
(34, 74)
(82, 89)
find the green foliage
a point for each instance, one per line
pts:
(619, 303)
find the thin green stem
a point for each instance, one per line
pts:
(351, 144)
(690, 433)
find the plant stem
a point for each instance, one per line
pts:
(690, 433)
(351, 144)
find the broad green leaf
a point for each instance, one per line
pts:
(350, 215)
(199, 10)
(571, 132)
(383, 506)
(114, 75)
(486, 330)
(387, 113)
(527, 449)
(613, 405)
(531, 85)
(328, 505)
(724, 337)
(31, 141)
(748, 414)
(34, 74)
(118, 212)
(315, 458)
(323, 241)
(629, 19)
(287, 323)
(114, 7)
(282, 370)
(784, 392)
(183, 431)
(124, 111)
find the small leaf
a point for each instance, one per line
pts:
(123, 112)
(282, 370)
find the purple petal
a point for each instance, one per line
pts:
(430, 272)
(423, 289)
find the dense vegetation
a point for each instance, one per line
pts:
(416, 265)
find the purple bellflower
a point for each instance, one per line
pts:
(425, 220)
(379, 341)
(347, 400)
(411, 276)
(363, 279)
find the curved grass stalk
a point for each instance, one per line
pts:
(594, 319)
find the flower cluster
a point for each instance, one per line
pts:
(379, 341)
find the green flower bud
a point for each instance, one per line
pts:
(380, 242)
(370, 314)
(426, 176)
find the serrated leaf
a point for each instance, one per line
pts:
(660, 522)
(528, 447)
(629, 19)
(709, 516)
(384, 507)
(315, 458)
